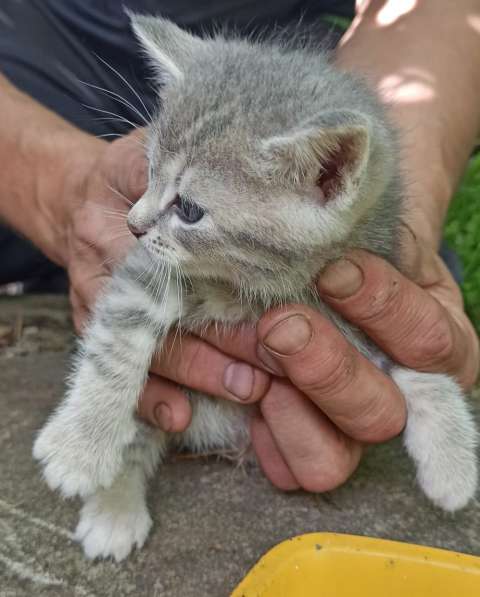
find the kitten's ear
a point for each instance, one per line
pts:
(330, 151)
(168, 47)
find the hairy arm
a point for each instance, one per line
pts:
(43, 161)
(423, 57)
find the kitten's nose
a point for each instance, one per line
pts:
(137, 232)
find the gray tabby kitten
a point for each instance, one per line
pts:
(265, 164)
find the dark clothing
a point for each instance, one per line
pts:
(51, 48)
(54, 49)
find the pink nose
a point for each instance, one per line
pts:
(137, 232)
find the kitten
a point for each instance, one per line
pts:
(265, 164)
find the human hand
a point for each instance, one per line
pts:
(98, 236)
(328, 400)
(419, 322)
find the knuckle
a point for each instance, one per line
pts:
(335, 371)
(82, 230)
(435, 342)
(383, 298)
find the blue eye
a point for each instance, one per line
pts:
(188, 211)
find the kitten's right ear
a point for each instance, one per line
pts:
(331, 151)
(168, 47)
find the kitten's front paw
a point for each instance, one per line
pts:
(71, 463)
(60, 470)
(110, 527)
(449, 484)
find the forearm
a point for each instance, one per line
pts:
(41, 155)
(425, 62)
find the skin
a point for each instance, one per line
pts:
(295, 365)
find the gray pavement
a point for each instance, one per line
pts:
(212, 520)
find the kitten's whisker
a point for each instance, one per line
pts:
(115, 117)
(121, 225)
(115, 216)
(116, 211)
(108, 261)
(105, 135)
(178, 326)
(125, 234)
(127, 83)
(118, 135)
(118, 98)
(120, 194)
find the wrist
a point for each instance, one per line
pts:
(429, 189)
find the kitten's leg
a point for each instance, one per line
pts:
(115, 520)
(216, 425)
(440, 436)
(82, 445)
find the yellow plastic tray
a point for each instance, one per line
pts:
(330, 565)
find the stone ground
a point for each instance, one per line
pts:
(212, 521)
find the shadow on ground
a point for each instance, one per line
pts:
(212, 521)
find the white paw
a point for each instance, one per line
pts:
(452, 485)
(108, 530)
(72, 464)
(440, 436)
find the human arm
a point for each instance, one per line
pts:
(423, 59)
(43, 159)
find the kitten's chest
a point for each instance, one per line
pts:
(208, 305)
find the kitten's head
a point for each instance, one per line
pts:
(258, 173)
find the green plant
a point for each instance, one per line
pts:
(462, 232)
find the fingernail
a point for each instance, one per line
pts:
(289, 336)
(268, 361)
(238, 379)
(341, 279)
(163, 416)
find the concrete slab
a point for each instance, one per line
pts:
(212, 521)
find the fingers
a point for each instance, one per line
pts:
(269, 456)
(164, 405)
(127, 168)
(401, 317)
(319, 457)
(353, 393)
(241, 342)
(190, 361)
(79, 311)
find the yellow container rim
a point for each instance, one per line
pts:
(336, 565)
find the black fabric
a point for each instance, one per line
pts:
(52, 48)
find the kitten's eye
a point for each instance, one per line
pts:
(189, 212)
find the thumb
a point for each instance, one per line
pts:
(127, 170)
